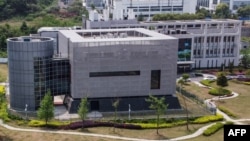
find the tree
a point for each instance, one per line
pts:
(24, 28)
(115, 104)
(203, 11)
(221, 81)
(222, 11)
(83, 110)
(181, 82)
(245, 59)
(231, 67)
(185, 77)
(46, 110)
(244, 11)
(159, 105)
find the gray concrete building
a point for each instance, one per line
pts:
(27, 57)
(125, 64)
(102, 65)
(210, 42)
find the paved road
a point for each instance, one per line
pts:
(195, 134)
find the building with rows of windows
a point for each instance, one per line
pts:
(102, 65)
(207, 43)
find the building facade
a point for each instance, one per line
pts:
(207, 43)
(102, 65)
(27, 59)
(234, 5)
(148, 8)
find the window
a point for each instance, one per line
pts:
(114, 73)
(155, 79)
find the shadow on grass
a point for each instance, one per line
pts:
(4, 137)
(160, 136)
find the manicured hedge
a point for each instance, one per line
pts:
(219, 92)
(206, 119)
(213, 129)
(162, 125)
(229, 113)
(206, 82)
(90, 123)
(51, 124)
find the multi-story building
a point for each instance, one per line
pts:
(205, 43)
(102, 65)
(148, 8)
(233, 4)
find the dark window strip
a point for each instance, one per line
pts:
(114, 73)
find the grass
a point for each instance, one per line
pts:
(236, 105)
(218, 136)
(166, 133)
(3, 72)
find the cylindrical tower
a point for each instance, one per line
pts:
(28, 60)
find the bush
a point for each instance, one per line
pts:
(89, 123)
(2, 90)
(162, 125)
(213, 129)
(207, 119)
(51, 124)
(3, 112)
(219, 92)
(206, 82)
(227, 112)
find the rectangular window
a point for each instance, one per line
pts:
(114, 73)
(155, 79)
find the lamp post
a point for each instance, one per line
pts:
(129, 110)
(26, 107)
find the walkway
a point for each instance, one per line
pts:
(195, 134)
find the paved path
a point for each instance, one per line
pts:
(195, 134)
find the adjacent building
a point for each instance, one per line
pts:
(102, 65)
(233, 4)
(207, 43)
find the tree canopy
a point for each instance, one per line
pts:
(222, 11)
(46, 110)
(221, 80)
(159, 105)
(244, 11)
(83, 109)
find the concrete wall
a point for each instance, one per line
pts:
(129, 56)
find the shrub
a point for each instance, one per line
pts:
(51, 124)
(2, 90)
(206, 82)
(229, 113)
(213, 129)
(162, 125)
(219, 92)
(89, 123)
(206, 119)
(246, 83)
(3, 112)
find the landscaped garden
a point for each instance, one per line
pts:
(146, 128)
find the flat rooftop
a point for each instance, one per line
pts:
(102, 35)
(29, 39)
(194, 21)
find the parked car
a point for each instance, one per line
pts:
(212, 78)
